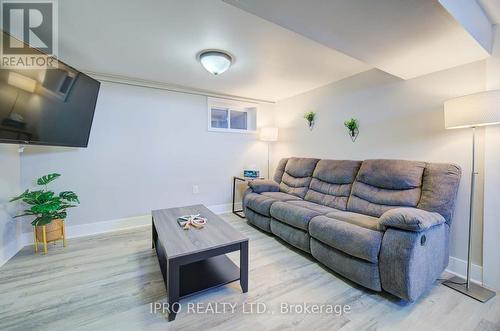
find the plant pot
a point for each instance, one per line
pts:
(311, 125)
(353, 134)
(53, 231)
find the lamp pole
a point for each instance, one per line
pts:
(472, 290)
(268, 174)
(471, 209)
(268, 135)
(472, 111)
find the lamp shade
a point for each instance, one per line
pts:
(479, 109)
(269, 134)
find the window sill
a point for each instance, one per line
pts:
(232, 131)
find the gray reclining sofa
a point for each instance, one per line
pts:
(383, 224)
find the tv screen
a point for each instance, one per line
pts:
(47, 106)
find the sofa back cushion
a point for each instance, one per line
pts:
(331, 183)
(385, 184)
(280, 170)
(439, 189)
(297, 176)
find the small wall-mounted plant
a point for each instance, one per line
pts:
(352, 126)
(310, 116)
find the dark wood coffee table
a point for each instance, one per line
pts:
(194, 260)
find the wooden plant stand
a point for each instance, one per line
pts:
(49, 233)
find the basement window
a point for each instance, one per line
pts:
(231, 116)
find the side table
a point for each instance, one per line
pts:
(240, 212)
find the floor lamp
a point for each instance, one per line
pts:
(268, 135)
(471, 111)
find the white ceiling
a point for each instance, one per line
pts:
(158, 40)
(406, 38)
(282, 47)
(492, 9)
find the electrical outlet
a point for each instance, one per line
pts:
(196, 189)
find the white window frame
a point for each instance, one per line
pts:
(250, 108)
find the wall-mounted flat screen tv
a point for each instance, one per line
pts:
(47, 106)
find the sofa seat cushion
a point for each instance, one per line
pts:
(260, 221)
(313, 206)
(364, 221)
(281, 196)
(293, 215)
(357, 270)
(347, 237)
(259, 203)
(292, 235)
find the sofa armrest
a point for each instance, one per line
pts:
(410, 262)
(409, 219)
(261, 185)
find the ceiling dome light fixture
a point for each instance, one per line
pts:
(214, 61)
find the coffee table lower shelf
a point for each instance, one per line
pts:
(206, 274)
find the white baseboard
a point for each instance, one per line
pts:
(221, 209)
(82, 230)
(458, 267)
(89, 229)
(225, 208)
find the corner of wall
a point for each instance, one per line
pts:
(10, 181)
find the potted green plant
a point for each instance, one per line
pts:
(49, 210)
(352, 126)
(310, 116)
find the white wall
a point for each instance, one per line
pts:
(10, 232)
(398, 119)
(147, 149)
(492, 184)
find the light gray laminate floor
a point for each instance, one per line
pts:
(108, 282)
